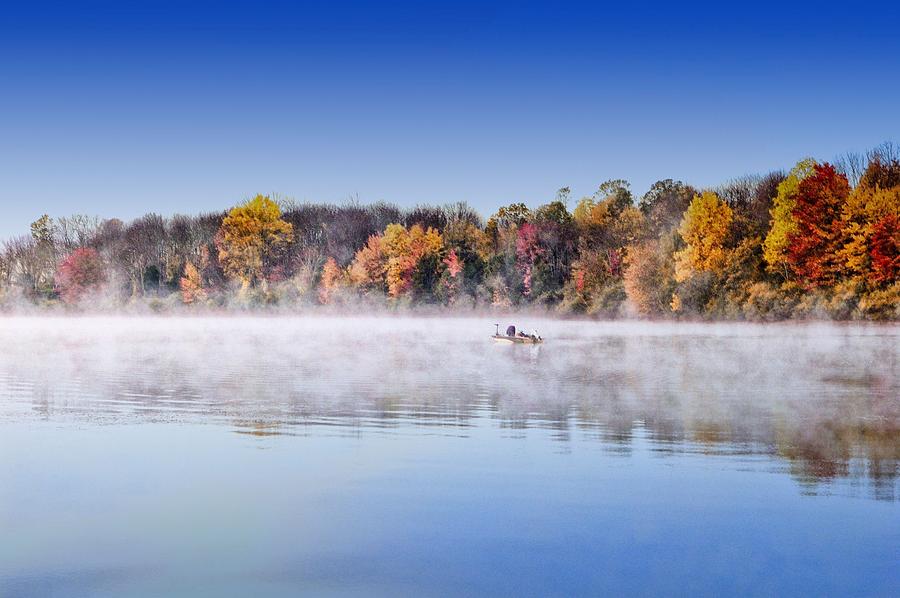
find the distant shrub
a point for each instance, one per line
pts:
(881, 304)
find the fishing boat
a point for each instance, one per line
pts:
(512, 336)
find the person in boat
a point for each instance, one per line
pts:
(510, 330)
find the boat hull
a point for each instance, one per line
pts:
(518, 340)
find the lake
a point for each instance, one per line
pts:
(238, 456)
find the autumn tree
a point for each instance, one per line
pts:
(505, 219)
(398, 251)
(783, 220)
(704, 230)
(191, 285)
(512, 215)
(738, 251)
(874, 202)
(404, 249)
(557, 240)
(751, 198)
(664, 204)
(252, 236)
(595, 282)
(882, 172)
(79, 273)
(528, 250)
(649, 276)
(607, 223)
(426, 246)
(332, 275)
(617, 193)
(369, 265)
(813, 246)
(606, 227)
(885, 250)
(451, 278)
(501, 274)
(472, 248)
(864, 208)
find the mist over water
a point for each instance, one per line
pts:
(379, 455)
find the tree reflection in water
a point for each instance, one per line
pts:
(819, 400)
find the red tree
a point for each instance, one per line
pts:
(885, 249)
(812, 249)
(528, 250)
(453, 263)
(81, 271)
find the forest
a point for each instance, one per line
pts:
(821, 240)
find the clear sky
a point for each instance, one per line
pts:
(120, 108)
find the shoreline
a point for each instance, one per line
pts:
(490, 317)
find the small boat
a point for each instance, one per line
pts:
(525, 340)
(513, 337)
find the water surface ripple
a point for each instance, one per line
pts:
(412, 455)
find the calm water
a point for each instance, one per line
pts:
(284, 456)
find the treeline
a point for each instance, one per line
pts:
(822, 240)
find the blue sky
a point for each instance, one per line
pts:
(120, 108)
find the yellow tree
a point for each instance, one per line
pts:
(783, 222)
(396, 246)
(704, 228)
(863, 209)
(875, 200)
(590, 215)
(404, 249)
(582, 212)
(251, 237)
(424, 242)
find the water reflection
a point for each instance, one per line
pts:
(820, 401)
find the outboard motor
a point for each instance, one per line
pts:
(510, 331)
